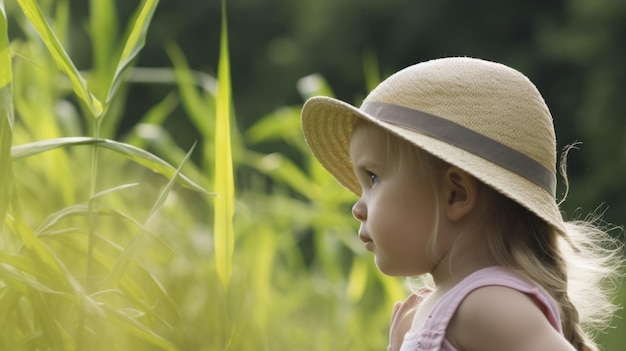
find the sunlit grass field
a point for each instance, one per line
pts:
(136, 243)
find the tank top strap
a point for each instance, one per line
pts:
(443, 310)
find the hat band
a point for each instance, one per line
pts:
(464, 138)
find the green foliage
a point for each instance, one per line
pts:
(104, 250)
(70, 276)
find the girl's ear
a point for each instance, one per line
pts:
(460, 192)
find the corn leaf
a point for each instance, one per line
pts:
(33, 12)
(135, 41)
(223, 231)
(131, 152)
(6, 115)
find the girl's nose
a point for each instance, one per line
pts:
(359, 211)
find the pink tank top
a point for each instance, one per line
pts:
(431, 337)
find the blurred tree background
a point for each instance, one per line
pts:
(301, 280)
(573, 50)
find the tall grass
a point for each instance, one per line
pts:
(132, 244)
(71, 273)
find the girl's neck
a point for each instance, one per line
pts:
(457, 264)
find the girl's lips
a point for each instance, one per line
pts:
(369, 243)
(364, 237)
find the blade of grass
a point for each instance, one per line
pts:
(282, 124)
(194, 102)
(135, 41)
(141, 289)
(43, 255)
(158, 139)
(104, 32)
(8, 303)
(223, 231)
(127, 255)
(47, 321)
(61, 18)
(283, 170)
(60, 276)
(6, 115)
(133, 153)
(20, 273)
(134, 327)
(80, 208)
(33, 12)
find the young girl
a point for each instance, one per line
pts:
(454, 161)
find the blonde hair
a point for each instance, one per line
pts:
(579, 269)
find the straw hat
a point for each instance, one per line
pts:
(483, 117)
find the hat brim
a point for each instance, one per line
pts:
(328, 123)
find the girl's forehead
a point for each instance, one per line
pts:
(367, 136)
(358, 140)
(370, 140)
(370, 131)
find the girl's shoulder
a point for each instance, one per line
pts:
(497, 317)
(496, 308)
(493, 305)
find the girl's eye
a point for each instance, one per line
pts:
(373, 178)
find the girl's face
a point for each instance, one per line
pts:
(397, 206)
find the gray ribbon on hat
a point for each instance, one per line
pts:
(464, 138)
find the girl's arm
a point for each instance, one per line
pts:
(500, 318)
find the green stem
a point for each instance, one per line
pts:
(89, 284)
(91, 204)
